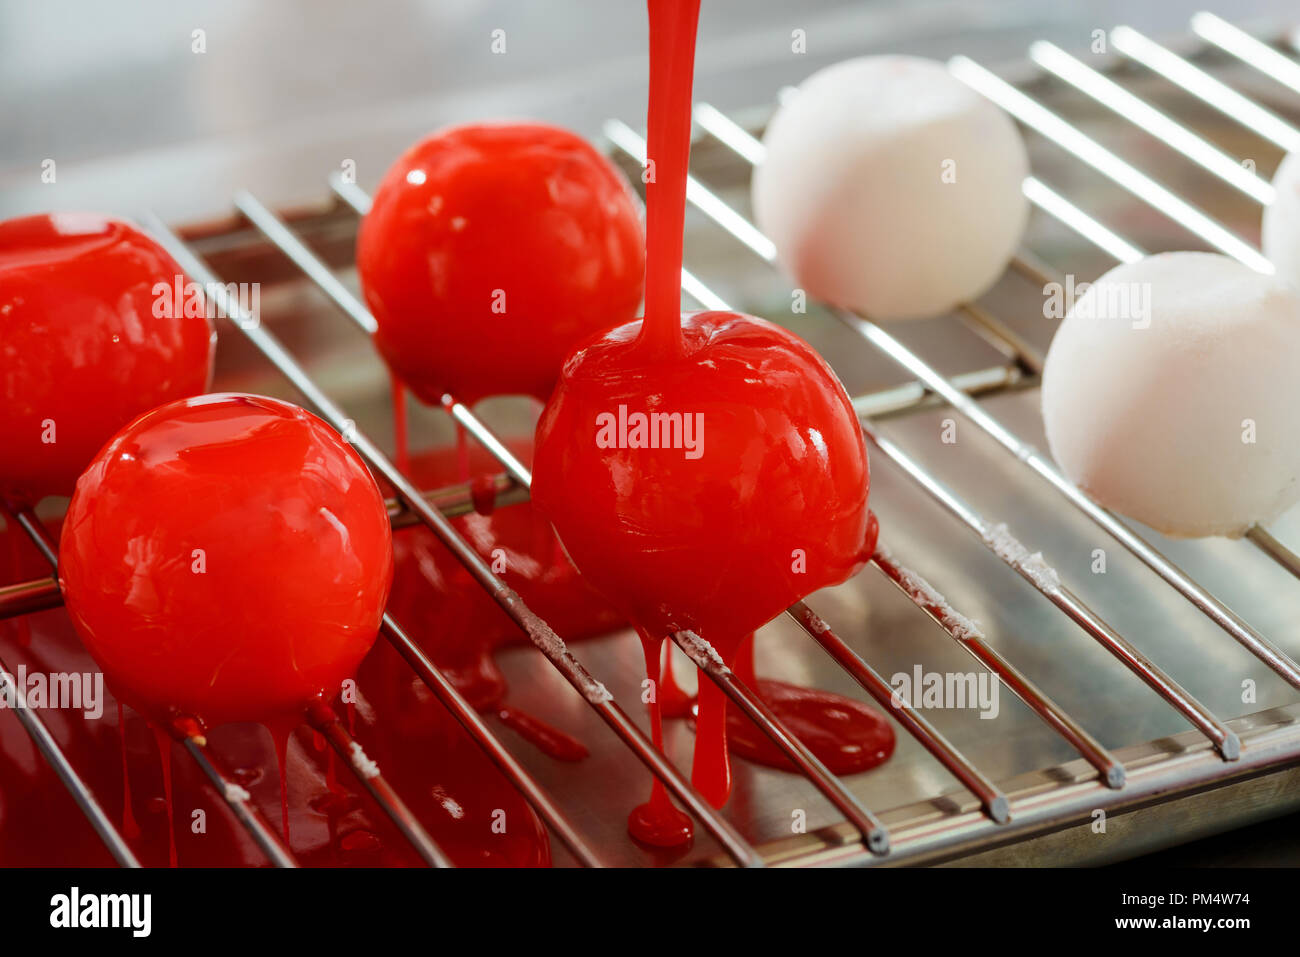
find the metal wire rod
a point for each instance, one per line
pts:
(912, 395)
(1061, 209)
(990, 796)
(1210, 90)
(1002, 337)
(322, 717)
(1109, 768)
(1140, 113)
(22, 598)
(458, 499)
(1253, 51)
(1263, 539)
(1110, 165)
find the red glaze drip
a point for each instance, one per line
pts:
(281, 731)
(711, 770)
(401, 427)
(550, 741)
(462, 454)
(130, 827)
(490, 251)
(668, 152)
(483, 492)
(331, 771)
(846, 735)
(84, 353)
(164, 742)
(657, 822)
(445, 778)
(673, 700)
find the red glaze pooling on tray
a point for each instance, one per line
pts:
(86, 344)
(490, 251)
(227, 558)
(765, 467)
(846, 735)
(719, 528)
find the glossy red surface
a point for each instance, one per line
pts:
(86, 344)
(716, 529)
(774, 507)
(490, 251)
(226, 557)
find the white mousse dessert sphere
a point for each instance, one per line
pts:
(890, 187)
(1171, 391)
(1281, 228)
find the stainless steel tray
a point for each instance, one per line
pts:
(1158, 780)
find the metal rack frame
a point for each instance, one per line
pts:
(1217, 754)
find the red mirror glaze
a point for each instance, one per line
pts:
(292, 538)
(86, 344)
(711, 543)
(491, 251)
(761, 501)
(457, 623)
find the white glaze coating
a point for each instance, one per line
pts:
(1153, 416)
(891, 187)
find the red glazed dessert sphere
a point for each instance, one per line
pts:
(761, 501)
(226, 558)
(491, 251)
(88, 341)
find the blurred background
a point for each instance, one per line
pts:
(133, 116)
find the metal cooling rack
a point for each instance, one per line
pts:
(1214, 770)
